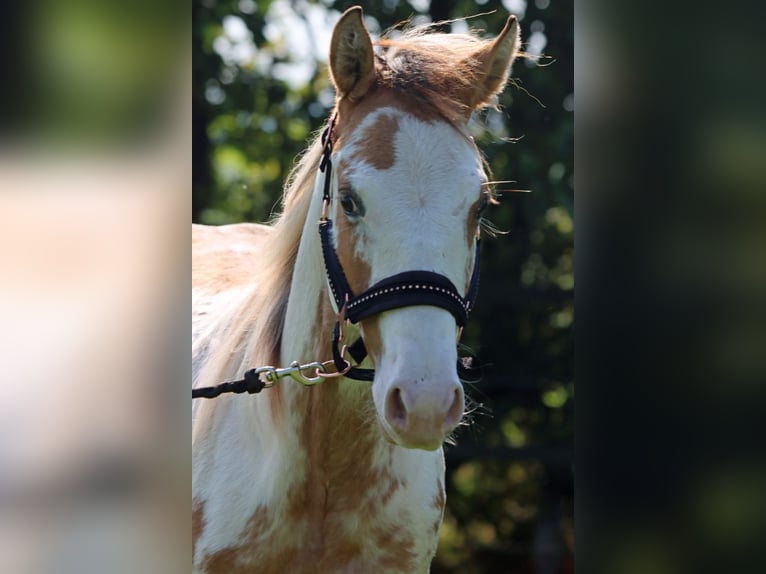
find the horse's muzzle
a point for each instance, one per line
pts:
(420, 414)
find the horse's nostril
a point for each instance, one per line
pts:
(396, 412)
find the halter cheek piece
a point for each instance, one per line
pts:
(400, 290)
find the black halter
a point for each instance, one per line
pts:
(400, 290)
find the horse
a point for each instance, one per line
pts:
(347, 475)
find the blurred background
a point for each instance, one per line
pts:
(95, 163)
(261, 89)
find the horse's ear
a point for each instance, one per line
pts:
(352, 63)
(494, 63)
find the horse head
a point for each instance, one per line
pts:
(405, 196)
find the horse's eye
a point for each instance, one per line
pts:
(351, 204)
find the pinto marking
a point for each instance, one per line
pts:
(377, 131)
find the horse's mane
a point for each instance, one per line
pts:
(248, 334)
(433, 68)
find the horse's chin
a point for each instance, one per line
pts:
(394, 438)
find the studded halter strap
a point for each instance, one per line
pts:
(401, 290)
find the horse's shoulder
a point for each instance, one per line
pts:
(226, 256)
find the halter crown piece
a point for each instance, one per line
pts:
(401, 290)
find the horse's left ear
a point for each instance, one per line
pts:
(494, 63)
(352, 63)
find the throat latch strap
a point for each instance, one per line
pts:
(467, 369)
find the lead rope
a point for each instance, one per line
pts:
(255, 380)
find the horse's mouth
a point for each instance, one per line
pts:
(391, 436)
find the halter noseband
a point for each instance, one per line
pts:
(401, 290)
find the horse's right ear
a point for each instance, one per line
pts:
(352, 63)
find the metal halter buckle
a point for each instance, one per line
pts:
(270, 375)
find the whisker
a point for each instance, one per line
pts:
(490, 228)
(499, 181)
(492, 192)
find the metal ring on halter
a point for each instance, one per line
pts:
(347, 368)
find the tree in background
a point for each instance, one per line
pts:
(261, 88)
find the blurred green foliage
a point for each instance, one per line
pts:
(90, 75)
(261, 89)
